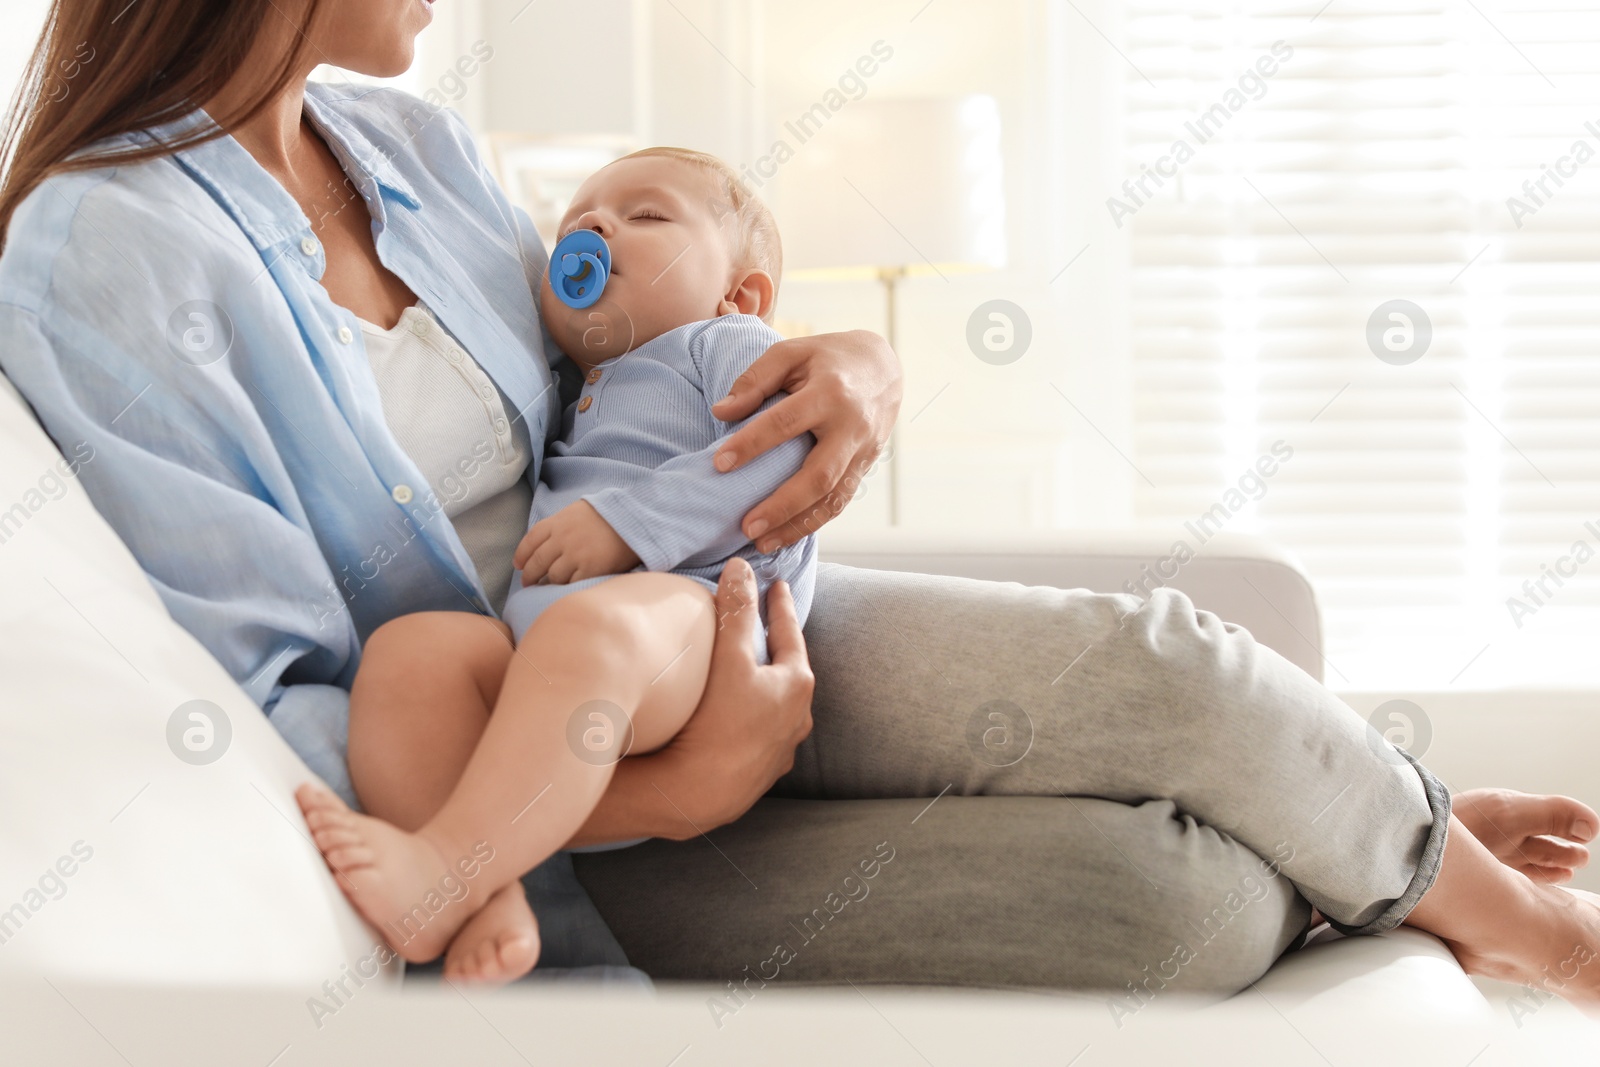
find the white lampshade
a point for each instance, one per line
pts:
(894, 184)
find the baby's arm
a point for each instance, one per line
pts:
(688, 512)
(573, 544)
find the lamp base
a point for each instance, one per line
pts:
(891, 277)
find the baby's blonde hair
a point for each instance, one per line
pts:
(758, 243)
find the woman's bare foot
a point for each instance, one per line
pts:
(1541, 836)
(498, 945)
(1500, 923)
(1569, 965)
(401, 883)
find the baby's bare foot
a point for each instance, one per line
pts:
(398, 881)
(499, 944)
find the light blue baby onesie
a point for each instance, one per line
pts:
(638, 443)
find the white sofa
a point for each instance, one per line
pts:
(124, 867)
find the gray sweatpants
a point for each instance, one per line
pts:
(1127, 794)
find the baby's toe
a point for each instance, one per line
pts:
(314, 797)
(469, 966)
(511, 956)
(334, 837)
(349, 857)
(328, 818)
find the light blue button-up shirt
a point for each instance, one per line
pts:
(170, 314)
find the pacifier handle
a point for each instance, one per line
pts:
(583, 262)
(578, 267)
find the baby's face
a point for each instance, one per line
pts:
(670, 231)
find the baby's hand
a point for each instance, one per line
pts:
(573, 544)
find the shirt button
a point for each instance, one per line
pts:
(594, 376)
(585, 404)
(402, 494)
(308, 245)
(345, 336)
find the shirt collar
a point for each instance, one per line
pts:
(260, 204)
(359, 155)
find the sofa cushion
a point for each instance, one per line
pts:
(152, 832)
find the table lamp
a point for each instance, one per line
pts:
(890, 189)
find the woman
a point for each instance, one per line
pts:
(184, 288)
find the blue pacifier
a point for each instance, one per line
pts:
(580, 268)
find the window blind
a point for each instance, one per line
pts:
(1292, 173)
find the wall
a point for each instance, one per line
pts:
(23, 20)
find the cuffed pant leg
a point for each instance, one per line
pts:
(927, 684)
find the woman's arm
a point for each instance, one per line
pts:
(845, 389)
(740, 740)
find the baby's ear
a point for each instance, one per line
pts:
(753, 292)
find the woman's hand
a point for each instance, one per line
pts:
(742, 736)
(845, 389)
(740, 740)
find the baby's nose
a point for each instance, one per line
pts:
(593, 220)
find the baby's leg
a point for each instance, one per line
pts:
(419, 704)
(417, 709)
(639, 643)
(488, 948)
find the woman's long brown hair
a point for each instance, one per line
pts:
(107, 67)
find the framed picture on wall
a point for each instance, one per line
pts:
(541, 174)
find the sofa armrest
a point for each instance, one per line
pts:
(1242, 579)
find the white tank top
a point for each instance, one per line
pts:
(453, 421)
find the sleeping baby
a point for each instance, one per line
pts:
(611, 615)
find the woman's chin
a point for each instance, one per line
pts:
(372, 62)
